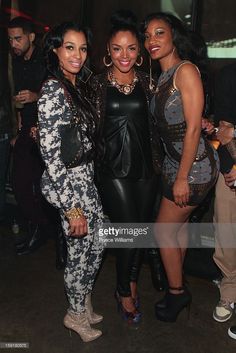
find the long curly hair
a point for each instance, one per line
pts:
(179, 31)
(53, 40)
(189, 45)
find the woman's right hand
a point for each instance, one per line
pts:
(78, 227)
(181, 192)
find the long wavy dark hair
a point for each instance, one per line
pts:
(54, 39)
(179, 32)
(189, 45)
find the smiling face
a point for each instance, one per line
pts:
(158, 39)
(72, 54)
(124, 50)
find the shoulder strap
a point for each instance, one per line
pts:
(177, 69)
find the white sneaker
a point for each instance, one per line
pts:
(232, 332)
(223, 311)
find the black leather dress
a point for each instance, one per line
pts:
(127, 183)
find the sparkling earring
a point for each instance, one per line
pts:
(141, 61)
(104, 60)
(151, 84)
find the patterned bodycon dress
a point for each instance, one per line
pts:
(68, 188)
(167, 108)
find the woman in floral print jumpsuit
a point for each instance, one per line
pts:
(72, 190)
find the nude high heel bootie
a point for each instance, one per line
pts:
(93, 318)
(80, 324)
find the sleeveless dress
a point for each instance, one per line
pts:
(167, 109)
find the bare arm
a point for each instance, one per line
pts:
(189, 83)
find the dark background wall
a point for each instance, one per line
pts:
(217, 18)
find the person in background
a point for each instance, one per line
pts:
(129, 151)
(70, 187)
(29, 72)
(225, 199)
(190, 167)
(226, 135)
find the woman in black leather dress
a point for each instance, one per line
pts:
(129, 155)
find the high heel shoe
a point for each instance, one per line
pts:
(131, 317)
(80, 324)
(93, 318)
(175, 303)
(161, 304)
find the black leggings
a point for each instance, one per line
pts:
(128, 201)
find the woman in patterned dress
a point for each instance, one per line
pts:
(72, 190)
(190, 166)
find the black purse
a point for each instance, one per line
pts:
(72, 146)
(72, 150)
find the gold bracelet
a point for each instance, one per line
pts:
(74, 213)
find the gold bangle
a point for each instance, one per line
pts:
(74, 213)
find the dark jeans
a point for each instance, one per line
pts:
(128, 201)
(4, 154)
(27, 170)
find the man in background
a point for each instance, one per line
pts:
(28, 74)
(225, 200)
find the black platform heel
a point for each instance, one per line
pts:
(161, 304)
(175, 303)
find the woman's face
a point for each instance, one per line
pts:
(72, 54)
(124, 50)
(158, 39)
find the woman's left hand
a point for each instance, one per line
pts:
(78, 227)
(181, 192)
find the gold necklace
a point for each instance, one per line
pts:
(125, 88)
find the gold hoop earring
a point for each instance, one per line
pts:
(104, 61)
(141, 61)
(151, 84)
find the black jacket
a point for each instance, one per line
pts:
(29, 75)
(97, 94)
